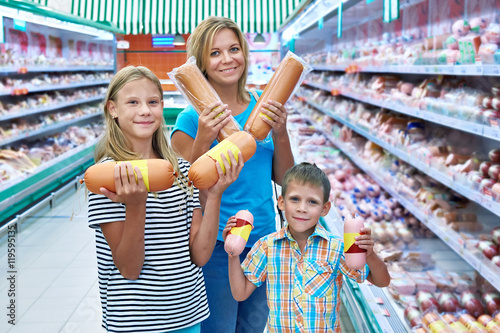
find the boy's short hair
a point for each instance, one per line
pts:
(306, 173)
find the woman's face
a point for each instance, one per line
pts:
(226, 62)
(139, 110)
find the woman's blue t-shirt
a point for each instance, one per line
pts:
(253, 188)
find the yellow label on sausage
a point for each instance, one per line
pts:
(243, 231)
(222, 148)
(349, 240)
(437, 326)
(143, 166)
(265, 115)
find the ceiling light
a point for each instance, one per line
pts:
(179, 40)
(259, 39)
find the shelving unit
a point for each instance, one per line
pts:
(465, 70)
(463, 125)
(443, 178)
(448, 236)
(365, 30)
(67, 38)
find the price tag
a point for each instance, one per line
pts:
(449, 70)
(462, 70)
(479, 70)
(495, 70)
(477, 129)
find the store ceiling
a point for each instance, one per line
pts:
(182, 16)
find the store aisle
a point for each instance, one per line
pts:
(56, 283)
(56, 288)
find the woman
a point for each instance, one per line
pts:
(221, 53)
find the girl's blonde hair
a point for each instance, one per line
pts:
(199, 45)
(114, 144)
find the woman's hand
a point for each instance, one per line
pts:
(232, 169)
(277, 112)
(231, 223)
(128, 191)
(365, 241)
(211, 120)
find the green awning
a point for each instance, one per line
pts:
(182, 16)
(38, 8)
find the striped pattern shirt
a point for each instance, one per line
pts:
(170, 291)
(303, 289)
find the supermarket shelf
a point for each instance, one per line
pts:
(41, 69)
(30, 88)
(46, 179)
(450, 237)
(51, 129)
(366, 314)
(443, 178)
(31, 112)
(463, 125)
(466, 70)
(386, 316)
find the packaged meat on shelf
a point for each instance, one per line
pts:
(456, 219)
(53, 78)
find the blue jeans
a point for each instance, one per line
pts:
(190, 329)
(226, 314)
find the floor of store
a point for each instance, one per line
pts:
(56, 287)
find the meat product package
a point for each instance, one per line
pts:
(287, 78)
(471, 302)
(196, 89)
(426, 300)
(403, 286)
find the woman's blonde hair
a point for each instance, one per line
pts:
(199, 45)
(114, 144)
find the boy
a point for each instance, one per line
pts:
(302, 263)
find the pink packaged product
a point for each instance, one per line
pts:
(425, 285)
(403, 286)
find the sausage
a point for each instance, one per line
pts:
(279, 89)
(158, 175)
(196, 89)
(203, 172)
(238, 236)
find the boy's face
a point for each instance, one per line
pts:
(303, 206)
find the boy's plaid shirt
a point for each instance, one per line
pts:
(303, 291)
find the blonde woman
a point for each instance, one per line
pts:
(221, 53)
(150, 246)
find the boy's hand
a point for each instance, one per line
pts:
(365, 241)
(231, 223)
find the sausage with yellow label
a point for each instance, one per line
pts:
(158, 175)
(203, 172)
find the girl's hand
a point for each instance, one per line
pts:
(231, 223)
(365, 241)
(128, 191)
(211, 120)
(232, 168)
(277, 112)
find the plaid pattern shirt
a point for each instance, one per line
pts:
(303, 289)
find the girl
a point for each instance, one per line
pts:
(150, 247)
(221, 53)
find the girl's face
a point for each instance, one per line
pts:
(226, 63)
(303, 206)
(139, 110)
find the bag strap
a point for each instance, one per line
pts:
(254, 93)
